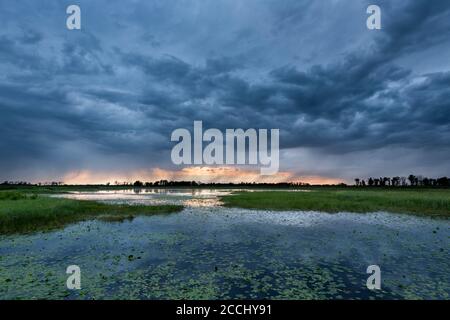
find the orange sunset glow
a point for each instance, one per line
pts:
(203, 174)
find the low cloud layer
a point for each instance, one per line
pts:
(348, 101)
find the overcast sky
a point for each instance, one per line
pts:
(99, 104)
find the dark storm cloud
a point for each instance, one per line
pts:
(416, 26)
(15, 55)
(117, 88)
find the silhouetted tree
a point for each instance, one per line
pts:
(138, 184)
(395, 181)
(443, 182)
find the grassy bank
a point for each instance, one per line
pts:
(429, 202)
(21, 212)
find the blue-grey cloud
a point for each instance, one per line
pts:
(109, 95)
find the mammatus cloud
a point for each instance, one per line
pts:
(103, 100)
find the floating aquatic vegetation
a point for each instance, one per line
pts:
(221, 253)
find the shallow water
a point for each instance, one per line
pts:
(210, 252)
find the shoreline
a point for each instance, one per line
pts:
(24, 213)
(435, 204)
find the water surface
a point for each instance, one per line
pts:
(212, 252)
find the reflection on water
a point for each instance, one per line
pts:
(154, 196)
(210, 252)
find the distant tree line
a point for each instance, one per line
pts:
(411, 180)
(160, 183)
(24, 183)
(166, 183)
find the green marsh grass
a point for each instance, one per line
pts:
(21, 213)
(427, 202)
